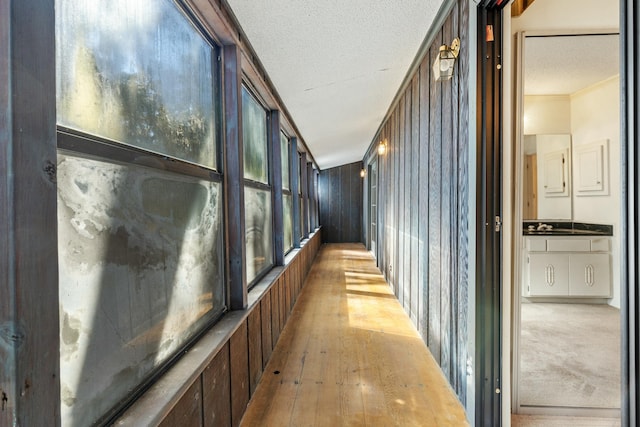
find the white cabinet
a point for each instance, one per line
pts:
(589, 275)
(548, 275)
(567, 267)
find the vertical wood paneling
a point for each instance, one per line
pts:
(463, 194)
(267, 343)
(406, 209)
(395, 238)
(424, 200)
(216, 390)
(188, 411)
(239, 368)
(435, 202)
(254, 331)
(275, 314)
(401, 195)
(445, 218)
(415, 197)
(341, 192)
(423, 270)
(456, 361)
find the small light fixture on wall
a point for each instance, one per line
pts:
(382, 148)
(363, 173)
(445, 61)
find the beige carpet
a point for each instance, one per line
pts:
(546, 421)
(570, 355)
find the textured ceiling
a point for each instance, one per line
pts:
(336, 64)
(563, 65)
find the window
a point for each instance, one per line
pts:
(287, 201)
(301, 195)
(140, 227)
(257, 193)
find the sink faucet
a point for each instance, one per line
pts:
(543, 227)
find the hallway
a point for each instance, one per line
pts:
(349, 355)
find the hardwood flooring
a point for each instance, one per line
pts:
(349, 356)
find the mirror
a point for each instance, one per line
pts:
(556, 69)
(547, 177)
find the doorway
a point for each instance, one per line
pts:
(562, 366)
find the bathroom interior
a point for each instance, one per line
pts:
(566, 305)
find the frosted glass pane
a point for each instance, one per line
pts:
(287, 221)
(284, 156)
(258, 241)
(141, 271)
(301, 217)
(254, 137)
(139, 73)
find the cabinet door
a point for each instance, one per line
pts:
(556, 173)
(548, 275)
(590, 275)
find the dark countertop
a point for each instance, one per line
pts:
(568, 229)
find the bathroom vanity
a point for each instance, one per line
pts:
(567, 260)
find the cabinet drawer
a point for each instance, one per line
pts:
(600, 245)
(536, 245)
(568, 245)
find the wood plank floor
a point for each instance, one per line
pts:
(349, 356)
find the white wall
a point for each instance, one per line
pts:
(595, 115)
(565, 15)
(547, 114)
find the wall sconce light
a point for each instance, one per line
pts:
(446, 60)
(382, 148)
(363, 173)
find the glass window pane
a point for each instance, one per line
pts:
(301, 217)
(284, 156)
(139, 73)
(287, 220)
(254, 137)
(141, 271)
(258, 225)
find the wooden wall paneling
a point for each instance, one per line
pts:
(265, 324)
(275, 315)
(435, 198)
(423, 271)
(463, 194)
(415, 197)
(341, 201)
(456, 360)
(234, 178)
(401, 199)
(188, 411)
(216, 391)
(396, 203)
(239, 368)
(288, 295)
(344, 207)
(254, 332)
(445, 218)
(358, 190)
(282, 303)
(334, 195)
(406, 184)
